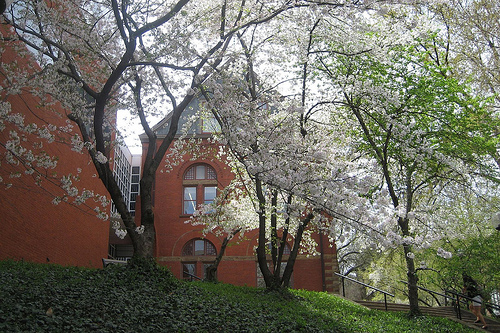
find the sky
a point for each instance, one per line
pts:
(130, 129)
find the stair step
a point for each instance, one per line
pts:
(442, 311)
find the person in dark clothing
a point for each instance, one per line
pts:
(471, 290)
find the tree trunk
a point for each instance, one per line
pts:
(412, 283)
(411, 273)
(284, 236)
(274, 232)
(211, 271)
(144, 245)
(287, 274)
(261, 248)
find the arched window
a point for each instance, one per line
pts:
(199, 186)
(199, 247)
(192, 264)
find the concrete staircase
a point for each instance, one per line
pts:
(440, 311)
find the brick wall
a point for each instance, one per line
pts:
(31, 227)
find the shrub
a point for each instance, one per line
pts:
(144, 297)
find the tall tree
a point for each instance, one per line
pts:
(421, 127)
(297, 173)
(265, 138)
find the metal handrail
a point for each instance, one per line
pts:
(457, 303)
(428, 290)
(365, 285)
(494, 306)
(458, 297)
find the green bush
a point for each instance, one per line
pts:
(147, 298)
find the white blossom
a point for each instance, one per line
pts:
(76, 143)
(443, 253)
(121, 233)
(101, 158)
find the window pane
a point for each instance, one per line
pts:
(189, 200)
(200, 172)
(189, 207)
(210, 193)
(287, 249)
(188, 249)
(190, 173)
(199, 247)
(211, 173)
(187, 269)
(210, 249)
(190, 193)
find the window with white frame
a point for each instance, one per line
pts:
(199, 187)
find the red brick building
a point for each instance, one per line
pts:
(184, 248)
(32, 228)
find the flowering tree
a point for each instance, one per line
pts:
(297, 174)
(96, 57)
(263, 139)
(420, 126)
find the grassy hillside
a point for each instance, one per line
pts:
(49, 298)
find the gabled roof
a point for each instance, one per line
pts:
(162, 127)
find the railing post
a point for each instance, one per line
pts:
(385, 301)
(459, 313)
(343, 277)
